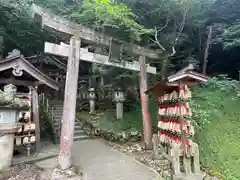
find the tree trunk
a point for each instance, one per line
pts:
(147, 126)
(164, 67)
(205, 60)
(1, 47)
(69, 106)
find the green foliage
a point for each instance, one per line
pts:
(216, 115)
(224, 16)
(230, 36)
(61, 7)
(132, 121)
(46, 130)
(18, 30)
(108, 13)
(130, 127)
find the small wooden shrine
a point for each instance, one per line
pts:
(26, 81)
(174, 115)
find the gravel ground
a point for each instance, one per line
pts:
(137, 151)
(22, 172)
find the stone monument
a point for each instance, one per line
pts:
(119, 99)
(92, 98)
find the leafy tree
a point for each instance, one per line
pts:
(177, 23)
(18, 30)
(105, 14)
(224, 16)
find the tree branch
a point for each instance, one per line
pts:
(180, 32)
(181, 26)
(156, 35)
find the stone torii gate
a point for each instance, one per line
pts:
(74, 52)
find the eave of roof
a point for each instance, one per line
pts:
(19, 60)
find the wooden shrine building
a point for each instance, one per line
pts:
(174, 122)
(184, 76)
(16, 70)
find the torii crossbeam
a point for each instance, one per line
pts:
(64, 49)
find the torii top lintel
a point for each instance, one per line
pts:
(49, 20)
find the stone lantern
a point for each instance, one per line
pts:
(10, 107)
(92, 98)
(119, 99)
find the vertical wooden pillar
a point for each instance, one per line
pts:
(69, 106)
(35, 112)
(147, 125)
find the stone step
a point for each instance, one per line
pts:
(77, 127)
(58, 112)
(56, 126)
(76, 133)
(56, 121)
(58, 108)
(82, 137)
(57, 116)
(55, 104)
(79, 133)
(77, 124)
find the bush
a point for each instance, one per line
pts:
(46, 130)
(127, 129)
(216, 117)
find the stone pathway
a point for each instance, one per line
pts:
(97, 161)
(100, 162)
(48, 150)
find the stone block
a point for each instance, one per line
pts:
(6, 149)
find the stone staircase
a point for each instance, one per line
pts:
(79, 133)
(55, 111)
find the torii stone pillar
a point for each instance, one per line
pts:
(119, 99)
(92, 98)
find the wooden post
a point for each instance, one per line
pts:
(147, 126)
(69, 106)
(35, 112)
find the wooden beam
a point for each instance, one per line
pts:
(16, 82)
(147, 126)
(49, 20)
(63, 50)
(35, 112)
(69, 105)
